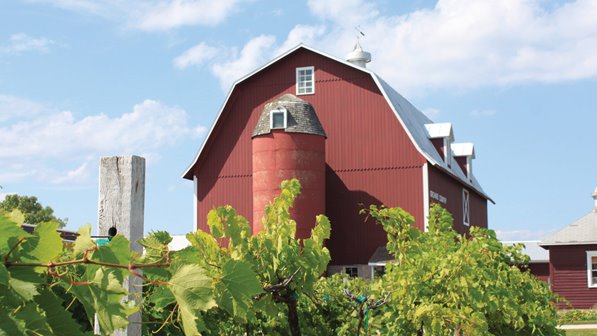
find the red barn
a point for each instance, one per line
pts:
(349, 137)
(573, 261)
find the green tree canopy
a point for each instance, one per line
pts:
(33, 211)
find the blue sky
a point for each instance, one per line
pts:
(80, 79)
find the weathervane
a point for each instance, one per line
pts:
(359, 31)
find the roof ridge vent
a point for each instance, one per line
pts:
(358, 56)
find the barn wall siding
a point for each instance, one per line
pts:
(451, 189)
(568, 272)
(540, 270)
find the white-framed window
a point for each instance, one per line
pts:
(305, 80)
(278, 118)
(466, 210)
(591, 269)
(352, 272)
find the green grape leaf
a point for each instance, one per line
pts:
(322, 230)
(238, 286)
(8, 325)
(156, 245)
(205, 243)
(104, 297)
(117, 252)
(9, 234)
(162, 297)
(83, 241)
(43, 246)
(35, 319)
(191, 286)
(189, 320)
(60, 321)
(3, 275)
(16, 216)
(27, 290)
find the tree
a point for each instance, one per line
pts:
(34, 212)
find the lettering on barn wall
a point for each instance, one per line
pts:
(438, 197)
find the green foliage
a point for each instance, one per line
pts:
(233, 282)
(444, 283)
(577, 315)
(32, 210)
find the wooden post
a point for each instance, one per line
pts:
(121, 207)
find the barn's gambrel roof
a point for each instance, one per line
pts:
(412, 120)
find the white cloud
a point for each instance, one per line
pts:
(153, 15)
(16, 107)
(457, 44)
(301, 34)
(196, 55)
(61, 137)
(431, 113)
(20, 43)
(256, 52)
(79, 174)
(463, 44)
(165, 15)
(349, 13)
(483, 113)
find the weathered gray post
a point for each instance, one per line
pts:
(121, 206)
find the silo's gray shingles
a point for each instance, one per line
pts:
(301, 116)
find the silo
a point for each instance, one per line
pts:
(289, 142)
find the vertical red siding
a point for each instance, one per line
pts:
(451, 188)
(568, 274)
(354, 240)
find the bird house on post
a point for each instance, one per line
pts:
(121, 207)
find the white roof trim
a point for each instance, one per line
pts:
(439, 130)
(398, 101)
(463, 149)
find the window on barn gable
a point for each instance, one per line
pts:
(305, 80)
(278, 118)
(591, 268)
(466, 211)
(352, 272)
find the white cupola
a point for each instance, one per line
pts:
(358, 56)
(595, 199)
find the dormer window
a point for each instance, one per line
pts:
(441, 137)
(305, 80)
(278, 118)
(464, 153)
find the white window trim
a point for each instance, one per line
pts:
(590, 268)
(466, 208)
(312, 68)
(448, 151)
(271, 117)
(469, 167)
